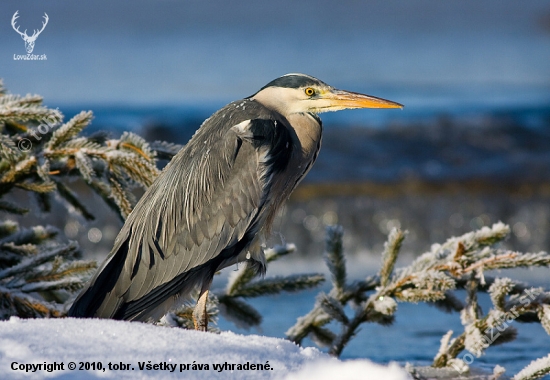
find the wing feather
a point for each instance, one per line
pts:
(205, 208)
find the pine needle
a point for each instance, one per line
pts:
(321, 336)
(239, 312)
(535, 370)
(57, 273)
(500, 288)
(73, 200)
(69, 130)
(334, 257)
(8, 150)
(37, 260)
(8, 227)
(333, 308)
(12, 208)
(544, 317)
(120, 196)
(389, 256)
(276, 285)
(19, 170)
(135, 144)
(37, 187)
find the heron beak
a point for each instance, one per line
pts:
(335, 100)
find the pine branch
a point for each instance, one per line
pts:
(441, 358)
(69, 130)
(276, 285)
(321, 336)
(8, 150)
(349, 330)
(238, 279)
(31, 259)
(500, 288)
(20, 250)
(120, 196)
(316, 318)
(12, 208)
(165, 150)
(37, 187)
(239, 312)
(105, 192)
(34, 235)
(61, 271)
(241, 284)
(41, 258)
(135, 144)
(19, 170)
(69, 196)
(479, 334)
(26, 306)
(333, 308)
(459, 262)
(334, 257)
(544, 317)
(278, 251)
(535, 370)
(84, 165)
(448, 304)
(15, 108)
(389, 256)
(138, 169)
(65, 283)
(8, 227)
(385, 305)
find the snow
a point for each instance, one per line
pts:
(536, 367)
(121, 348)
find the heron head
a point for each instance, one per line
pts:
(298, 93)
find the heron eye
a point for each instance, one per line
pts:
(309, 91)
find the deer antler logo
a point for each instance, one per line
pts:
(29, 40)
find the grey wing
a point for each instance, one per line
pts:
(195, 219)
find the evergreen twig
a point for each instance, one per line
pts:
(460, 262)
(241, 284)
(38, 151)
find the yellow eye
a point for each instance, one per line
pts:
(309, 91)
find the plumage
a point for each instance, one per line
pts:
(214, 201)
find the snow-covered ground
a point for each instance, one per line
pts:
(72, 348)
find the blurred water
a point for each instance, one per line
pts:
(423, 54)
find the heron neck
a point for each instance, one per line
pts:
(308, 129)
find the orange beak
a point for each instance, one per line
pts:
(339, 99)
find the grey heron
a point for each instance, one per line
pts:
(215, 201)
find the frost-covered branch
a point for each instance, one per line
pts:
(241, 284)
(535, 370)
(42, 154)
(459, 263)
